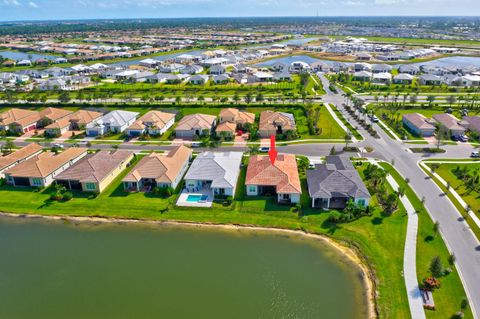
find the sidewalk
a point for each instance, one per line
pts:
(415, 300)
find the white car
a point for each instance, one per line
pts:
(57, 145)
(475, 154)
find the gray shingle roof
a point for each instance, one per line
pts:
(336, 178)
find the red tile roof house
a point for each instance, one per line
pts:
(280, 179)
(450, 123)
(418, 124)
(158, 170)
(16, 157)
(51, 115)
(472, 123)
(40, 170)
(19, 120)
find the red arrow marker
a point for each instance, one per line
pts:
(272, 153)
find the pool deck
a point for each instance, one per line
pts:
(182, 199)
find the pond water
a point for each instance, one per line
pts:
(53, 269)
(17, 56)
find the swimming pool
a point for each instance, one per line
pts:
(196, 198)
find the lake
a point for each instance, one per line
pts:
(53, 269)
(17, 56)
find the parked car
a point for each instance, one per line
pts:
(475, 154)
(57, 145)
(196, 144)
(374, 118)
(264, 149)
(463, 138)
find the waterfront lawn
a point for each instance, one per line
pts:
(449, 297)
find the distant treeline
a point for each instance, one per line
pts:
(33, 27)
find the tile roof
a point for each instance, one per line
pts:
(194, 121)
(222, 168)
(269, 120)
(226, 127)
(45, 163)
(418, 120)
(15, 115)
(162, 168)
(336, 178)
(82, 117)
(449, 121)
(54, 113)
(95, 167)
(283, 174)
(157, 118)
(19, 155)
(239, 117)
(473, 121)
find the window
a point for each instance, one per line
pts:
(252, 189)
(90, 186)
(37, 181)
(361, 202)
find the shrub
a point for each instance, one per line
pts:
(67, 196)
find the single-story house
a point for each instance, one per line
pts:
(94, 172)
(280, 179)
(450, 123)
(471, 80)
(333, 184)
(19, 120)
(472, 123)
(18, 156)
(158, 170)
(403, 78)
(152, 122)
(430, 79)
(39, 170)
(215, 171)
(217, 69)
(198, 79)
(240, 118)
(226, 128)
(171, 68)
(273, 123)
(418, 124)
(221, 79)
(381, 68)
(409, 69)
(282, 76)
(362, 76)
(195, 125)
(116, 121)
(192, 69)
(383, 78)
(51, 115)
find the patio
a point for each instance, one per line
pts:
(206, 192)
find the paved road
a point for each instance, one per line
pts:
(453, 228)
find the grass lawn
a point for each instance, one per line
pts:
(449, 296)
(446, 171)
(378, 238)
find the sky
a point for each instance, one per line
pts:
(110, 9)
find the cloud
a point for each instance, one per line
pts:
(353, 3)
(12, 3)
(33, 5)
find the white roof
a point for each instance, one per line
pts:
(222, 168)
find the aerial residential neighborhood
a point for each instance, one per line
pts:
(254, 160)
